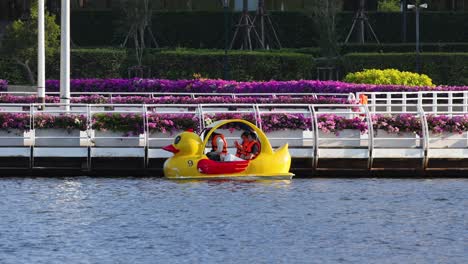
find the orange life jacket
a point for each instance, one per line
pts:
(247, 149)
(214, 144)
(363, 99)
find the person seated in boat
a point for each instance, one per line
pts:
(250, 147)
(218, 146)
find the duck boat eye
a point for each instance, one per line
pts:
(177, 140)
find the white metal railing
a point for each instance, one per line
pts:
(430, 101)
(367, 145)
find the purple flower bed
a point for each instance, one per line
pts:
(170, 123)
(268, 122)
(130, 124)
(14, 121)
(3, 85)
(443, 123)
(220, 86)
(68, 122)
(99, 99)
(14, 99)
(331, 123)
(275, 122)
(398, 123)
(211, 118)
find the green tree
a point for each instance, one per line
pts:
(138, 20)
(389, 5)
(20, 41)
(325, 13)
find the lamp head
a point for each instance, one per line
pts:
(411, 6)
(423, 5)
(225, 3)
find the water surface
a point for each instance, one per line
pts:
(124, 220)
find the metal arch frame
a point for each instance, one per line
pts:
(370, 139)
(420, 114)
(258, 117)
(25, 147)
(344, 106)
(63, 110)
(142, 111)
(316, 138)
(306, 109)
(312, 127)
(426, 135)
(146, 134)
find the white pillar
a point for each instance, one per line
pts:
(65, 55)
(41, 52)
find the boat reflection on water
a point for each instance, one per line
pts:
(238, 184)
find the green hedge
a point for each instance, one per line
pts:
(243, 65)
(296, 29)
(405, 47)
(176, 64)
(443, 68)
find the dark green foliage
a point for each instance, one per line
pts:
(98, 63)
(94, 28)
(180, 64)
(176, 64)
(443, 68)
(405, 47)
(296, 29)
(435, 26)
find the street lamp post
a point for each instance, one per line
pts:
(404, 9)
(41, 53)
(65, 55)
(418, 8)
(226, 39)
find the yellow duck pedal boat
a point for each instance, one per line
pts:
(190, 161)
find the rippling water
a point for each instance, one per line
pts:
(85, 220)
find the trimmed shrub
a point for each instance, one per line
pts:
(389, 76)
(443, 68)
(244, 66)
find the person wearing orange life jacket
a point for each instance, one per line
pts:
(250, 148)
(219, 143)
(219, 147)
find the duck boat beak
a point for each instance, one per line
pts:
(171, 148)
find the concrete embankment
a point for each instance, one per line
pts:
(302, 167)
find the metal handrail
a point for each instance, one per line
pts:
(193, 95)
(402, 99)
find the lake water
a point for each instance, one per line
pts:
(125, 220)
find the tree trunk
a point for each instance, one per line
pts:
(28, 70)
